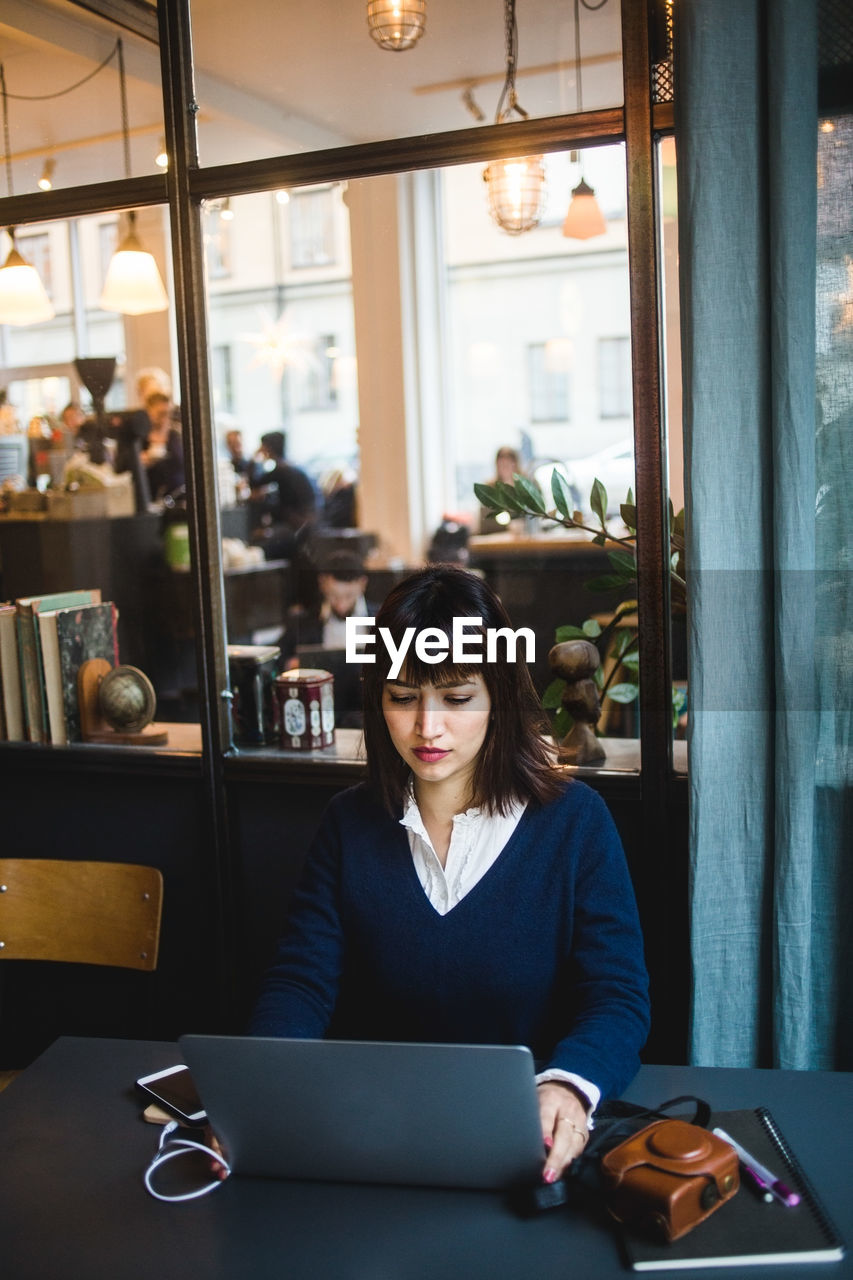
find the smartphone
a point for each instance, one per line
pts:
(174, 1091)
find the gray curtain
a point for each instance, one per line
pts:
(768, 470)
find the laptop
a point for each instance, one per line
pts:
(441, 1115)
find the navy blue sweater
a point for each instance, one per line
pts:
(545, 950)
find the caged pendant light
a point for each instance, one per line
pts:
(23, 297)
(396, 24)
(133, 285)
(516, 187)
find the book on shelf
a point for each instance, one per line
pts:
(747, 1230)
(11, 707)
(70, 637)
(29, 653)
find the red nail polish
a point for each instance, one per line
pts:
(550, 1175)
(549, 1142)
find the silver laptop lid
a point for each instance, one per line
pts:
(356, 1111)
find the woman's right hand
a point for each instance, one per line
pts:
(211, 1140)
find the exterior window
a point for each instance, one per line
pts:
(614, 377)
(222, 377)
(107, 245)
(549, 382)
(36, 250)
(312, 380)
(312, 228)
(217, 244)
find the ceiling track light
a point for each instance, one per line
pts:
(396, 24)
(516, 187)
(472, 106)
(46, 179)
(226, 213)
(133, 286)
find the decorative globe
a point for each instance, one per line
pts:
(127, 700)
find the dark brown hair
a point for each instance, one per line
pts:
(515, 762)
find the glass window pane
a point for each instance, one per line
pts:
(284, 392)
(671, 342)
(107, 476)
(292, 78)
(64, 102)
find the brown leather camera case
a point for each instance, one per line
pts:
(669, 1177)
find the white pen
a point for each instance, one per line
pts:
(760, 1173)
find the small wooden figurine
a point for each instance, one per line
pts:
(576, 661)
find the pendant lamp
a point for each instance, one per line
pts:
(396, 24)
(584, 218)
(516, 187)
(23, 297)
(133, 285)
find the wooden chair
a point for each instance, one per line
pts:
(80, 912)
(105, 913)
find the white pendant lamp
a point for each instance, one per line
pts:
(23, 297)
(584, 218)
(133, 285)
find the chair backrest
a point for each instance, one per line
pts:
(80, 912)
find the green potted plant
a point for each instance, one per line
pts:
(615, 674)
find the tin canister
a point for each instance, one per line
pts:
(305, 708)
(252, 669)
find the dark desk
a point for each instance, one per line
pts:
(73, 1207)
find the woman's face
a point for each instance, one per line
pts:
(438, 730)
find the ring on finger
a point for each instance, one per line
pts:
(582, 1133)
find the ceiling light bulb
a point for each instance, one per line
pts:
(46, 179)
(162, 157)
(282, 196)
(226, 213)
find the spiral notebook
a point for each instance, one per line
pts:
(747, 1231)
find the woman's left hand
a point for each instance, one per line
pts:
(565, 1127)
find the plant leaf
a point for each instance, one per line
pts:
(623, 562)
(598, 500)
(630, 660)
(628, 512)
(623, 692)
(487, 496)
(569, 633)
(553, 695)
(591, 628)
(561, 494)
(509, 499)
(606, 582)
(562, 723)
(530, 491)
(599, 539)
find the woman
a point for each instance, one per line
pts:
(468, 892)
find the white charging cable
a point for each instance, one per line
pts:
(169, 1148)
